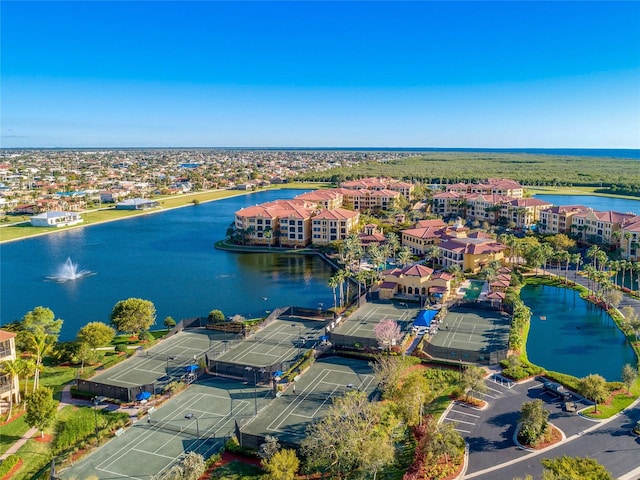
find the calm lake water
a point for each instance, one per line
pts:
(168, 258)
(577, 337)
(622, 205)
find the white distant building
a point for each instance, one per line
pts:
(56, 219)
(137, 204)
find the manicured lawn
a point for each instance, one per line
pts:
(11, 432)
(237, 471)
(619, 403)
(35, 456)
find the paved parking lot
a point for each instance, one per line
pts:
(489, 432)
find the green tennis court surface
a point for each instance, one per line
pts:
(205, 413)
(470, 334)
(362, 322)
(168, 358)
(288, 416)
(280, 341)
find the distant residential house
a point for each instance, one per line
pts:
(137, 204)
(7, 353)
(26, 209)
(110, 196)
(247, 186)
(56, 219)
(332, 225)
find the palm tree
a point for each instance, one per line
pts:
(11, 368)
(592, 254)
(393, 243)
(404, 256)
(576, 259)
(456, 271)
(27, 370)
(432, 253)
(42, 346)
(333, 284)
(268, 234)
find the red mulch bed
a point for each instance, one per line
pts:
(556, 436)
(226, 458)
(14, 417)
(46, 439)
(15, 468)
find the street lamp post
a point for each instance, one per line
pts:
(299, 338)
(95, 401)
(255, 387)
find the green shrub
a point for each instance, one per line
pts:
(147, 336)
(7, 464)
(121, 348)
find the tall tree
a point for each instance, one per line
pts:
(629, 376)
(594, 387)
(133, 315)
(387, 370)
(40, 330)
(350, 439)
(473, 379)
(388, 333)
(96, 334)
(41, 409)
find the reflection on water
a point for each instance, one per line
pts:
(571, 335)
(167, 258)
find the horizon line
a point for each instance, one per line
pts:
(354, 148)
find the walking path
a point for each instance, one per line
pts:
(65, 400)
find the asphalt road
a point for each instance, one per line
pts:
(494, 456)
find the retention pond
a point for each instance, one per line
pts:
(570, 335)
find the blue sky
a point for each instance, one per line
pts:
(386, 74)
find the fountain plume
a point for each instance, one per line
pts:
(68, 272)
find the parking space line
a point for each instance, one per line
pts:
(461, 421)
(465, 413)
(462, 431)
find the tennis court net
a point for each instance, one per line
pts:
(187, 428)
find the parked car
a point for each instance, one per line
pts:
(557, 390)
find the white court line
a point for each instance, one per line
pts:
(460, 430)
(292, 405)
(151, 453)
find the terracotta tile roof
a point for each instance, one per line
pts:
(388, 285)
(529, 202)
(336, 214)
(442, 276)
(436, 222)
(426, 232)
(416, 271)
(4, 335)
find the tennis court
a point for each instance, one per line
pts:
(362, 322)
(471, 335)
(280, 341)
(288, 416)
(167, 359)
(199, 420)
